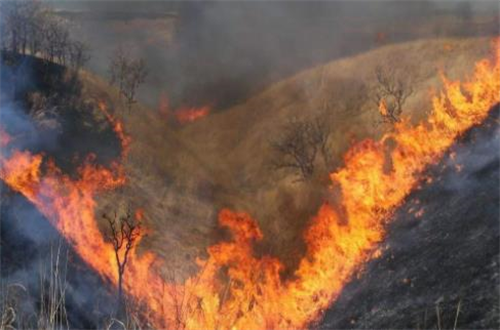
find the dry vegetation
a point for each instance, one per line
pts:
(51, 314)
(182, 177)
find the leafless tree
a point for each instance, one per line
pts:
(78, 54)
(127, 73)
(136, 76)
(124, 231)
(55, 39)
(300, 144)
(118, 67)
(392, 88)
(31, 27)
(12, 21)
(320, 132)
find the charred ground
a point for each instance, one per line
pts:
(45, 107)
(44, 110)
(441, 260)
(183, 177)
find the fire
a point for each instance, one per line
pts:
(5, 138)
(183, 115)
(235, 288)
(382, 108)
(187, 115)
(117, 128)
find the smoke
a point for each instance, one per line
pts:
(16, 81)
(28, 241)
(221, 53)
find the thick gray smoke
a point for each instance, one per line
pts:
(220, 53)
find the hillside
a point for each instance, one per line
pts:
(237, 140)
(182, 177)
(439, 266)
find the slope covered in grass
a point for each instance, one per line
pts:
(181, 177)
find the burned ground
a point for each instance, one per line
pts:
(441, 260)
(43, 108)
(28, 248)
(183, 177)
(66, 129)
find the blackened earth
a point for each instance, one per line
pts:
(443, 261)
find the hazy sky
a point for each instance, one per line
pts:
(222, 52)
(144, 5)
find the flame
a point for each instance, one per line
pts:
(183, 115)
(117, 126)
(5, 138)
(188, 115)
(382, 108)
(235, 288)
(448, 47)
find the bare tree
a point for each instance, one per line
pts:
(30, 27)
(117, 68)
(78, 55)
(124, 232)
(11, 19)
(319, 134)
(392, 88)
(55, 39)
(300, 144)
(136, 76)
(127, 74)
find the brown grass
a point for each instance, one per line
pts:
(183, 176)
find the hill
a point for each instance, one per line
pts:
(182, 177)
(237, 140)
(439, 265)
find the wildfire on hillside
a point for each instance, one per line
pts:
(252, 294)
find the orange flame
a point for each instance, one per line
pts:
(382, 108)
(5, 138)
(117, 128)
(188, 115)
(235, 288)
(182, 115)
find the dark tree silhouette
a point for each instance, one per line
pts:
(127, 73)
(124, 231)
(299, 145)
(392, 88)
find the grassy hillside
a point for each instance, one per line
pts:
(237, 140)
(182, 177)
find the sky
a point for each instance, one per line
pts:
(145, 5)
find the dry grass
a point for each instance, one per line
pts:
(51, 311)
(182, 177)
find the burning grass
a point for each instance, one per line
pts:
(235, 288)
